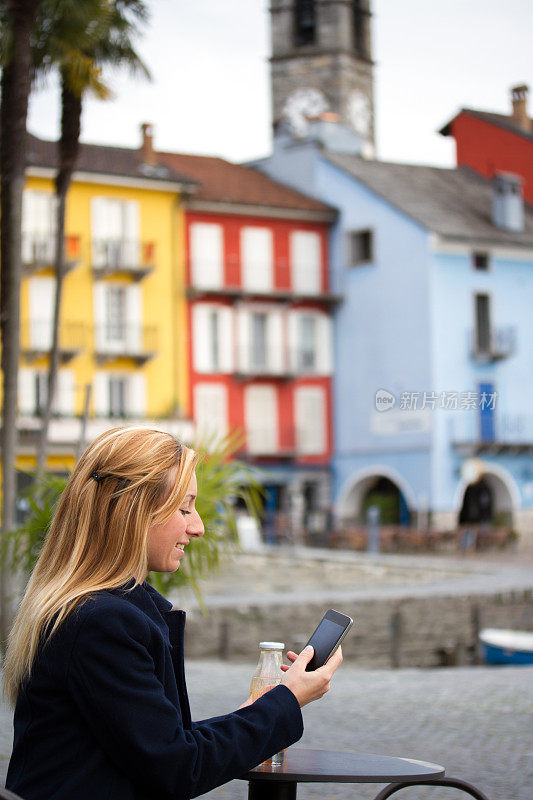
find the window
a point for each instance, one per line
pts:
(41, 296)
(117, 393)
(38, 227)
(115, 329)
(257, 259)
(210, 410)
(207, 255)
(306, 262)
(307, 344)
(261, 415)
(482, 329)
(361, 247)
(115, 233)
(304, 22)
(258, 341)
(310, 411)
(33, 392)
(213, 341)
(480, 261)
(118, 318)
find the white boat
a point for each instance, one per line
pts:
(501, 646)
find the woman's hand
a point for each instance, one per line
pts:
(309, 686)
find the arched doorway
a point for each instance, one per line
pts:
(375, 489)
(487, 501)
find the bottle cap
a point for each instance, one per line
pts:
(271, 645)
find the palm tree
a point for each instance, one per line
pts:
(105, 32)
(17, 16)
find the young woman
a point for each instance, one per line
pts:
(95, 660)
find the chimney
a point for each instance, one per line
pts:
(147, 150)
(507, 202)
(519, 100)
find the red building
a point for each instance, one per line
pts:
(490, 143)
(260, 326)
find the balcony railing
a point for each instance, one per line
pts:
(288, 442)
(506, 432)
(36, 339)
(286, 284)
(38, 252)
(122, 256)
(286, 363)
(500, 343)
(136, 342)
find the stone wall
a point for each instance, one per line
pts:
(412, 632)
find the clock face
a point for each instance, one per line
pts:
(300, 106)
(360, 112)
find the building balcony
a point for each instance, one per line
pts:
(122, 257)
(138, 343)
(494, 345)
(36, 340)
(289, 292)
(286, 364)
(289, 443)
(38, 252)
(498, 433)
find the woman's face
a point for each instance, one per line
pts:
(167, 541)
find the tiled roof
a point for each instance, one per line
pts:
(106, 160)
(454, 203)
(222, 181)
(501, 120)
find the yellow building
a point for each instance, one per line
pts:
(123, 330)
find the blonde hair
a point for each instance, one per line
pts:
(127, 480)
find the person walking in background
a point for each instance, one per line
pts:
(95, 661)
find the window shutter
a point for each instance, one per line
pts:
(306, 262)
(99, 230)
(207, 255)
(244, 356)
(201, 344)
(134, 319)
(136, 399)
(210, 410)
(324, 344)
(310, 406)
(257, 258)
(64, 395)
(26, 390)
(131, 228)
(41, 301)
(226, 338)
(99, 315)
(101, 394)
(276, 344)
(261, 415)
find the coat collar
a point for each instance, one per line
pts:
(148, 600)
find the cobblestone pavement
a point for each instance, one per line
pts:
(477, 722)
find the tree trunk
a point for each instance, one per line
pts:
(15, 85)
(68, 152)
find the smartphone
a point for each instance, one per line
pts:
(330, 632)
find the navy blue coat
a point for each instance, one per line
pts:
(106, 715)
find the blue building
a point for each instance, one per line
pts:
(433, 380)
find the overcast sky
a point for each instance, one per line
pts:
(211, 92)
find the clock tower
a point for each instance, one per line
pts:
(322, 62)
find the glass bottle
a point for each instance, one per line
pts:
(267, 675)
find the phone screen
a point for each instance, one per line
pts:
(323, 640)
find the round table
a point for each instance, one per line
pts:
(267, 782)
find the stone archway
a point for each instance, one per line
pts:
(381, 487)
(489, 500)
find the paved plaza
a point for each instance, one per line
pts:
(477, 722)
